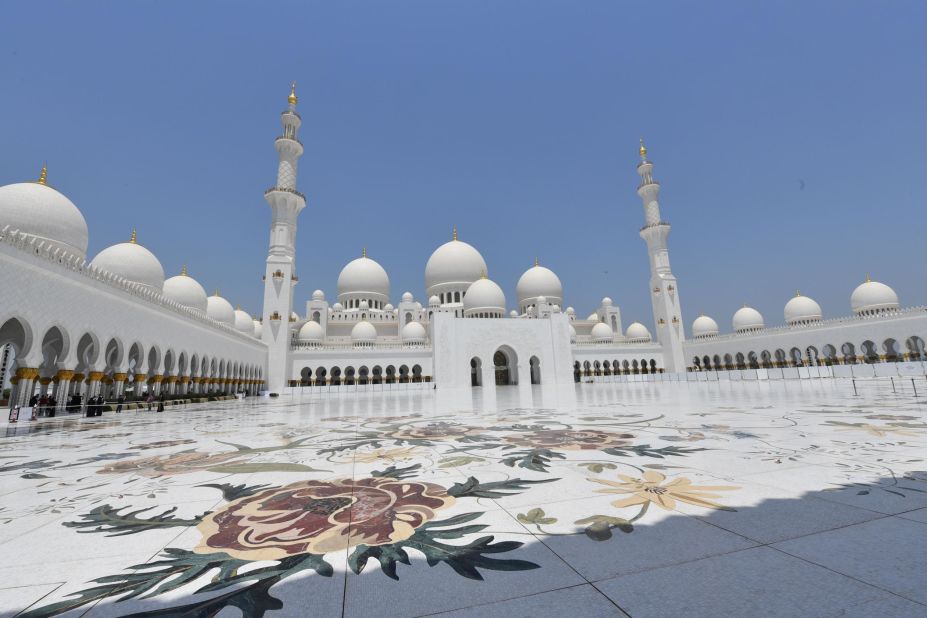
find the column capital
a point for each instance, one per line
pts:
(156, 379)
(27, 373)
(64, 374)
(140, 377)
(120, 377)
(95, 376)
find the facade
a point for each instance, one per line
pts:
(115, 324)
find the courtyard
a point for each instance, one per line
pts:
(787, 498)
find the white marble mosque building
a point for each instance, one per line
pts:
(116, 324)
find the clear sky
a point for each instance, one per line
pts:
(789, 139)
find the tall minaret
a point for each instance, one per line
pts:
(667, 314)
(280, 275)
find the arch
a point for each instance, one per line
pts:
(403, 374)
(752, 360)
(634, 367)
(780, 358)
(505, 364)
(408, 316)
(767, 359)
(363, 375)
(390, 374)
(377, 374)
(644, 366)
(811, 353)
(17, 332)
(916, 348)
(697, 363)
(706, 362)
(849, 353)
(869, 352)
(740, 360)
(597, 368)
(316, 317)
(336, 375)
(728, 362)
(716, 362)
(320, 375)
(587, 368)
(653, 366)
(830, 354)
(55, 347)
(88, 350)
(305, 377)
(535, 366)
(615, 328)
(890, 350)
(626, 367)
(577, 372)
(795, 356)
(349, 375)
(416, 373)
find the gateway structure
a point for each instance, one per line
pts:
(115, 323)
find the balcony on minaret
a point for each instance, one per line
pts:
(285, 189)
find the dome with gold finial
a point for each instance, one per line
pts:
(484, 298)
(538, 281)
(802, 310)
(452, 267)
(132, 262)
(220, 309)
(872, 297)
(243, 322)
(40, 211)
(363, 279)
(185, 290)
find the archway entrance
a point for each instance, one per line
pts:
(535, 370)
(476, 371)
(505, 363)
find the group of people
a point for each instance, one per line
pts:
(46, 404)
(43, 405)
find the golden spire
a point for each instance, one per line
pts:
(868, 280)
(134, 237)
(237, 307)
(797, 293)
(217, 292)
(43, 175)
(292, 100)
(643, 150)
(483, 274)
(183, 270)
(455, 233)
(364, 252)
(536, 263)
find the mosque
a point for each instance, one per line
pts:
(115, 324)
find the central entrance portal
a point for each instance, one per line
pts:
(504, 364)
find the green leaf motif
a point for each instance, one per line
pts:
(233, 492)
(600, 526)
(472, 488)
(108, 519)
(456, 462)
(645, 450)
(536, 516)
(598, 468)
(397, 473)
(537, 459)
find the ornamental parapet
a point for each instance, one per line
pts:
(46, 251)
(285, 190)
(657, 224)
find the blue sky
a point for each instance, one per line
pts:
(789, 139)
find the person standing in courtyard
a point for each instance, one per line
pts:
(161, 403)
(149, 400)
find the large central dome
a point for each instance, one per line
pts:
(40, 211)
(133, 262)
(454, 263)
(364, 278)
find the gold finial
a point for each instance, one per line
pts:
(455, 233)
(134, 237)
(43, 175)
(183, 270)
(797, 293)
(643, 150)
(536, 263)
(364, 252)
(483, 274)
(217, 292)
(701, 314)
(237, 307)
(868, 279)
(292, 100)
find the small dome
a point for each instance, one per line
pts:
(220, 309)
(418, 306)
(704, 326)
(538, 281)
(388, 307)
(363, 276)
(572, 334)
(258, 329)
(185, 290)
(413, 332)
(484, 296)
(133, 262)
(364, 305)
(337, 307)
(513, 314)
(318, 295)
(593, 317)
(542, 300)
(802, 309)
(570, 311)
(40, 211)
(454, 262)
(243, 322)
(434, 301)
(407, 297)
(747, 319)
(606, 302)
(311, 332)
(873, 297)
(602, 333)
(294, 317)
(636, 330)
(363, 333)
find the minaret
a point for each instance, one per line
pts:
(667, 314)
(280, 275)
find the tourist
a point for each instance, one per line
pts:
(119, 401)
(161, 403)
(149, 400)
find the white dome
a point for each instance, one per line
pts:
(220, 309)
(572, 334)
(873, 297)
(40, 211)
(318, 295)
(593, 317)
(802, 309)
(243, 322)
(258, 329)
(602, 332)
(388, 307)
(454, 262)
(513, 314)
(363, 332)
(704, 326)
(413, 332)
(133, 262)
(185, 290)
(484, 295)
(364, 305)
(337, 307)
(434, 301)
(636, 330)
(570, 311)
(606, 302)
(407, 297)
(538, 281)
(418, 306)
(311, 332)
(363, 276)
(747, 319)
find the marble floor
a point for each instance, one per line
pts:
(647, 500)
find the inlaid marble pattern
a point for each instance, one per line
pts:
(688, 499)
